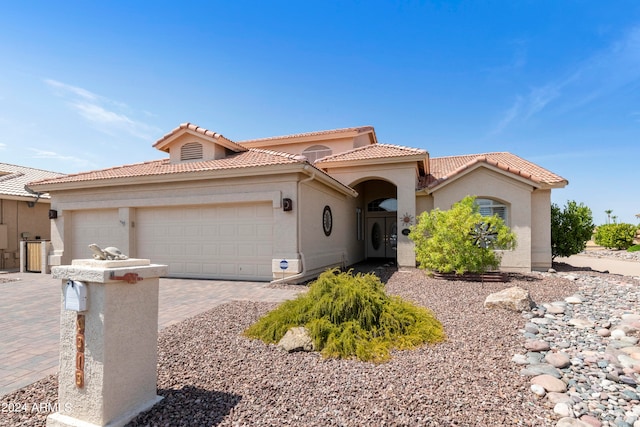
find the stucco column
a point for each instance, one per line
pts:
(108, 348)
(406, 256)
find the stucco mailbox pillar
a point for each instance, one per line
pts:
(108, 341)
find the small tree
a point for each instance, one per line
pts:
(618, 236)
(445, 240)
(571, 229)
(608, 212)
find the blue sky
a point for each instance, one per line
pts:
(89, 85)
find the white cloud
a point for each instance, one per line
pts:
(2, 146)
(600, 75)
(44, 154)
(106, 115)
(82, 93)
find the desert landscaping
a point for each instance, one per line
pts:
(482, 374)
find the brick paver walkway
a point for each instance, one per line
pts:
(30, 317)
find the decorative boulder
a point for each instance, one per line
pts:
(297, 339)
(514, 298)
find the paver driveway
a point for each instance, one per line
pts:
(30, 317)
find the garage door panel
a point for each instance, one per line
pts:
(99, 226)
(214, 241)
(265, 251)
(264, 231)
(209, 231)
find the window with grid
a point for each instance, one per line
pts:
(489, 207)
(316, 152)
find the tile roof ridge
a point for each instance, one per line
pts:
(28, 168)
(359, 129)
(197, 129)
(11, 175)
(148, 162)
(402, 147)
(473, 155)
(369, 147)
(297, 157)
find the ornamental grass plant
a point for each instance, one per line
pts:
(351, 316)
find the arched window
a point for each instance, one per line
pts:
(383, 205)
(191, 151)
(489, 207)
(316, 152)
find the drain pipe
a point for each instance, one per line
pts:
(303, 272)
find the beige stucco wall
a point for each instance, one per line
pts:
(20, 218)
(320, 251)
(337, 145)
(270, 188)
(486, 183)
(541, 230)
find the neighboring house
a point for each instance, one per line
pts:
(24, 214)
(221, 209)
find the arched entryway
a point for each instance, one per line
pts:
(379, 224)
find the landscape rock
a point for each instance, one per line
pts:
(550, 383)
(557, 359)
(537, 345)
(514, 298)
(563, 409)
(592, 421)
(571, 422)
(296, 339)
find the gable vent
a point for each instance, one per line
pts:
(191, 151)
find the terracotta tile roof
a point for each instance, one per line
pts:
(200, 130)
(246, 159)
(443, 168)
(13, 179)
(374, 151)
(359, 129)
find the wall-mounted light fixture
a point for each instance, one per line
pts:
(53, 214)
(287, 204)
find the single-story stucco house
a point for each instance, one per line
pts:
(24, 214)
(221, 209)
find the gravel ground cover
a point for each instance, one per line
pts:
(606, 253)
(209, 374)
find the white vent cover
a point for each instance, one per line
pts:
(191, 151)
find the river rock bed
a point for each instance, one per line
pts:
(583, 355)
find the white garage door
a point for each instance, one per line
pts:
(99, 226)
(232, 241)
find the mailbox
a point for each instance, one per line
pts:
(75, 296)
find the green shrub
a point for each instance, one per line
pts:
(615, 236)
(571, 229)
(634, 248)
(351, 316)
(444, 239)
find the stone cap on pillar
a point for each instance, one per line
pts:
(109, 271)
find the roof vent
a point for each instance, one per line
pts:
(191, 151)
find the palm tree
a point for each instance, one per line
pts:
(608, 212)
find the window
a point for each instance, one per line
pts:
(316, 152)
(383, 205)
(490, 207)
(191, 151)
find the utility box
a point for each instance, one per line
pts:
(75, 296)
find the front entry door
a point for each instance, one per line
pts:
(382, 237)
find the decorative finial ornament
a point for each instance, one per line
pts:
(407, 219)
(108, 253)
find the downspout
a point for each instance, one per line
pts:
(303, 272)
